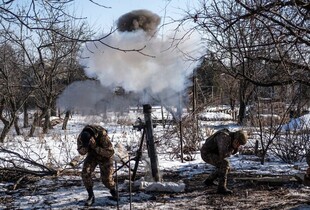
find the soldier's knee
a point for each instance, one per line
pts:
(86, 173)
(85, 176)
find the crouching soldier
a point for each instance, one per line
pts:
(95, 142)
(215, 150)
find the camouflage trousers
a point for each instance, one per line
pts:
(106, 172)
(222, 166)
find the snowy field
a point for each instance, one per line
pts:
(58, 148)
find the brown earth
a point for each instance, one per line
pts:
(250, 192)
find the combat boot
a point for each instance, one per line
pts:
(222, 189)
(210, 180)
(91, 197)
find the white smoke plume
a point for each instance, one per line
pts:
(162, 70)
(86, 95)
(136, 72)
(166, 67)
(90, 97)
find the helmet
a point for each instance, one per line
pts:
(241, 136)
(85, 137)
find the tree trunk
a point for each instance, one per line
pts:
(256, 148)
(242, 110)
(242, 102)
(16, 126)
(26, 118)
(47, 118)
(64, 125)
(262, 160)
(35, 123)
(4, 132)
(6, 129)
(7, 124)
(54, 109)
(232, 103)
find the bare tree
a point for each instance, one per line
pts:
(287, 28)
(277, 31)
(267, 117)
(50, 37)
(260, 43)
(12, 94)
(48, 42)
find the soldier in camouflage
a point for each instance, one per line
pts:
(95, 142)
(215, 151)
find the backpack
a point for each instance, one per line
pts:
(224, 130)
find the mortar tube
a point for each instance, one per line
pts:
(147, 110)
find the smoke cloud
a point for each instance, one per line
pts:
(164, 64)
(90, 97)
(139, 19)
(167, 68)
(86, 95)
(160, 73)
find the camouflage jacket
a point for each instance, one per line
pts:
(104, 147)
(219, 143)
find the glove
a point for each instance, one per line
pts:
(92, 143)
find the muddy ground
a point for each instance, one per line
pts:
(250, 192)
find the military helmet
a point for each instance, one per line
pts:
(85, 137)
(241, 136)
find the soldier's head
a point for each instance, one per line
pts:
(241, 136)
(85, 137)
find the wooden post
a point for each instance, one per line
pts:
(116, 186)
(26, 117)
(162, 116)
(130, 188)
(256, 148)
(194, 94)
(181, 140)
(195, 118)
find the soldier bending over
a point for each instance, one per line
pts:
(95, 142)
(216, 149)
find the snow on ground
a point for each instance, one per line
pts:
(58, 148)
(302, 122)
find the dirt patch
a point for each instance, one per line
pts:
(250, 192)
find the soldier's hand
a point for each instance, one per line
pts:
(92, 143)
